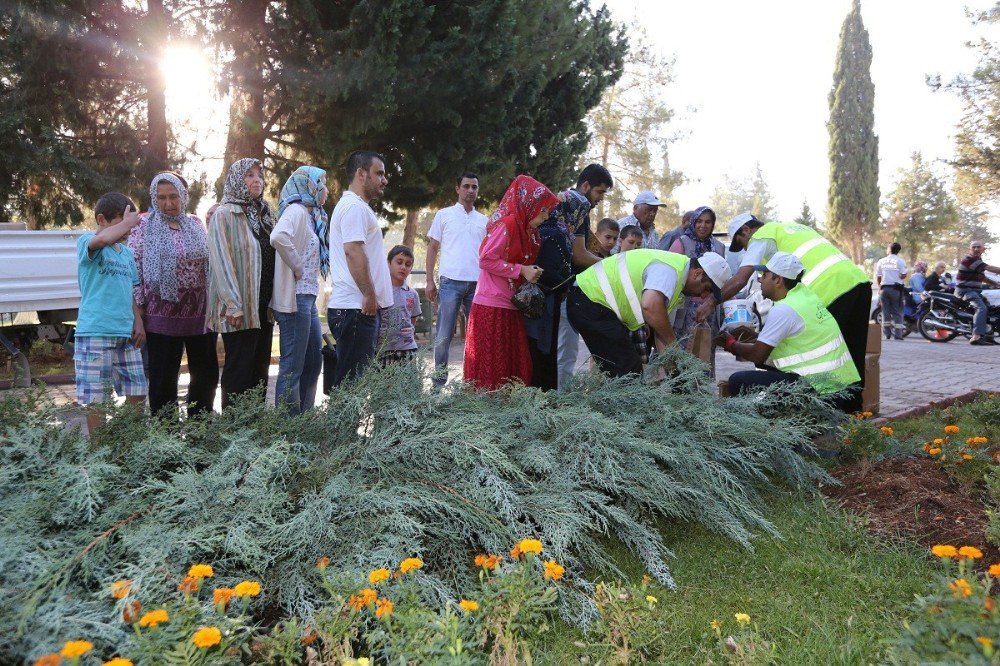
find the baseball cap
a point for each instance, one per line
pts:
(647, 197)
(716, 268)
(736, 223)
(786, 265)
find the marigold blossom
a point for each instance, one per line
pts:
(985, 641)
(989, 604)
(488, 561)
(944, 550)
(952, 429)
(939, 441)
(995, 570)
(934, 451)
(379, 576)
(74, 649)
(201, 571)
(716, 625)
(53, 659)
(222, 595)
(207, 637)
(189, 585)
(530, 546)
(323, 563)
(468, 605)
(554, 570)
(651, 600)
(130, 613)
(362, 599)
(742, 619)
(120, 588)
(966, 456)
(118, 661)
(154, 617)
(961, 588)
(248, 588)
(886, 430)
(970, 552)
(383, 608)
(410, 563)
(515, 552)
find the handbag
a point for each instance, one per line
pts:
(530, 300)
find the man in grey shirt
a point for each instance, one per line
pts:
(672, 235)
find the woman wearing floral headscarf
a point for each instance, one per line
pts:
(496, 349)
(171, 254)
(300, 238)
(242, 278)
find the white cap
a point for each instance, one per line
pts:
(716, 268)
(786, 265)
(734, 228)
(648, 198)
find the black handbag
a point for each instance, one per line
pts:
(530, 300)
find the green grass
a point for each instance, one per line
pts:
(967, 417)
(827, 593)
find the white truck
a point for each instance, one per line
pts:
(39, 293)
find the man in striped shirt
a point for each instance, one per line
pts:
(970, 283)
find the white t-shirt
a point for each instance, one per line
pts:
(782, 322)
(662, 278)
(460, 234)
(354, 220)
(758, 252)
(891, 269)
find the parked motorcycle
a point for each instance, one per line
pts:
(947, 316)
(911, 314)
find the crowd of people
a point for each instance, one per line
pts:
(531, 280)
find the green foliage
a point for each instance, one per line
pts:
(853, 201)
(806, 217)
(752, 195)
(921, 211)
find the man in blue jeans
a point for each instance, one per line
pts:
(971, 282)
(456, 233)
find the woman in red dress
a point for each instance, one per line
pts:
(496, 349)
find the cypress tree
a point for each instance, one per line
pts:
(854, 194)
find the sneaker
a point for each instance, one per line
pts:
(981, 342)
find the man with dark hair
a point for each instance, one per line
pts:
(591, 186)
(800, 339)
(457, 232)
(890, 276)
(969, 285)
(668, 238)
(359, 272)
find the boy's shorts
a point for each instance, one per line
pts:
(102, 361)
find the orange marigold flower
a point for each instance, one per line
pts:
(131, 611)
(488, 561)
(515, 552)
(309, 638)
(323, 563)
(886, 430)
(120, 588)
(970, 552)
(207, 637)
(939, 441)
(410, 564)
(189, 585)
(553, 570)
(201, 571)
(530, 546)
(118, 661)
(944, 551)
(989, 604)
(952, 429)
(154, 617)
(994, 570)
(53, 659)
(934, 451)
(961, 588)
(468, 605)
(222, 595)
(248, 588)
(379, 576)
(966, 456)
(362, 599)
(383, 608)
(74, 649)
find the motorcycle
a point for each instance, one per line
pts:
(911, 314)
(947, 316)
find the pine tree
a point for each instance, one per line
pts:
(806, 216)
(920, 210)
(853, 212)
(749, 195)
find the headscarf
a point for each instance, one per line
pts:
(700, 246)
(304, 187)
(920, 267)
(159, 255)
(522, 202)
(558, 229)
(235, 191)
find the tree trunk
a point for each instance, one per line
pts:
(246, 110)
(156, 103)
(410, 229)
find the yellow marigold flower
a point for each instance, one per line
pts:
(379, 576)
(554, 570)
(118, 661)
(867, 415)
(966, 456)
(323, 563)
(985, 641)
(222, 595)
(939, 441)
(468, 605)
(530, 546)
(716, 625)
(74, 649)
(53, 659)
(934, 451)
(207, 637)
(651, 600)
(970, 552)
(961, 588)
(410, 563)
(995, 570)
(742, 619)
(383, 608)
(248, 588)
(886, 430)
(952, 429)
(120, 588)
(362, 599)
(154, 617)
(944, 551)
(201, 571)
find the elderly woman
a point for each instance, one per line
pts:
(694, 242)
(300, 239)
(171, 254)
(918, 281)
(242, 278)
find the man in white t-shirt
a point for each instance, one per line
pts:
(890, 274)
(359, 270)
(457, 232)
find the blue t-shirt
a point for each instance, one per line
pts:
(106, 278)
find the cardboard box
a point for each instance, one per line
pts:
(870, 396)
(874, 344)
(723, 389)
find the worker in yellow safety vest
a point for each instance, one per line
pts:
(627, 290)
(841, 286)
(800, 339)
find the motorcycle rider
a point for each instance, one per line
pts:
(971, 281)
(890, 272)
(938, 280)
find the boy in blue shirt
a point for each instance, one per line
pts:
(109, 328)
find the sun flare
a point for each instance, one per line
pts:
(185, 69)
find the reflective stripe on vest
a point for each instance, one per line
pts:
(829, 272)
(616, 282)
(819, 353)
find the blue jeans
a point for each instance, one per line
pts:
(975, 298)
(451, 295)
(569, 347)
(301, 338)
(357, 336)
